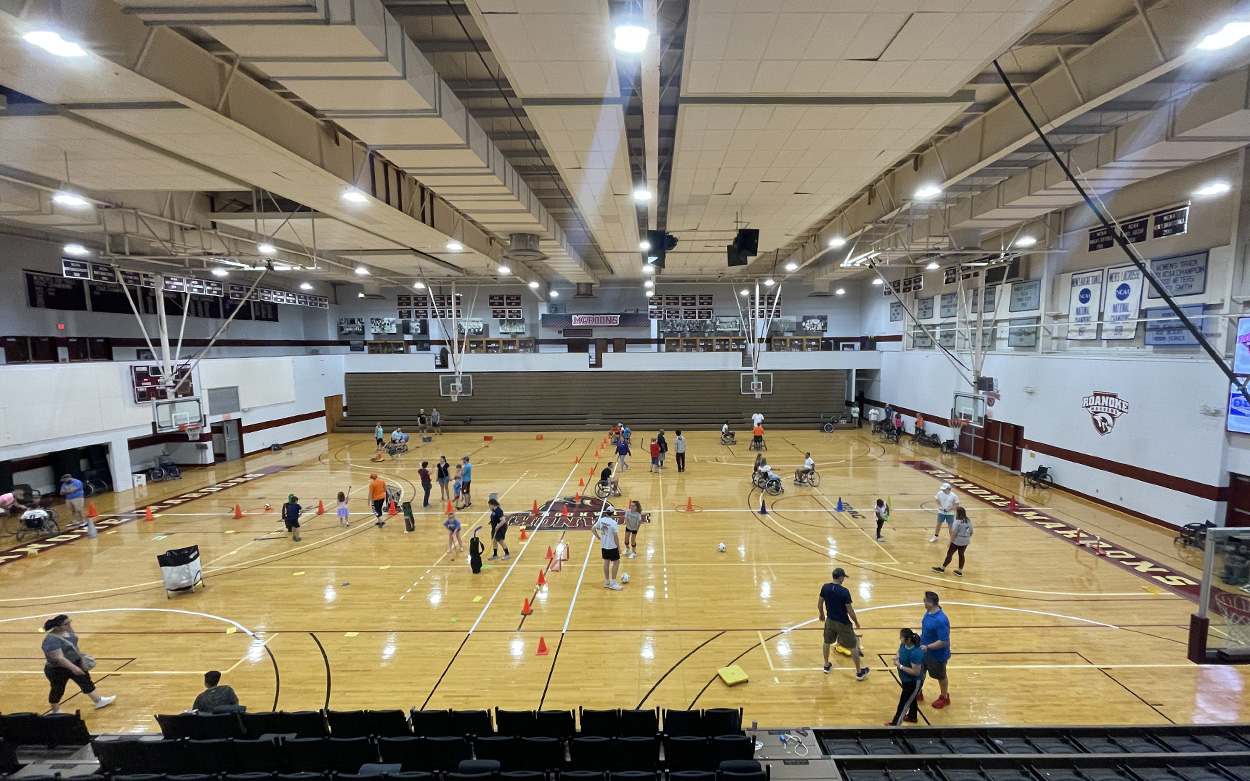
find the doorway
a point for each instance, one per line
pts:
(227, 440)
(1238, 513)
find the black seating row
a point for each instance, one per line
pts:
(756, 774)
(1048, 768)
(1024, 741)
(346, 755)
(443, 723)
(33, 729)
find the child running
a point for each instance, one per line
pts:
(343, 512)
(290, 515)
(452, 525)
(633, 519)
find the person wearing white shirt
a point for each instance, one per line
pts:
(874, 415)
(606, 532)
(855, 415)
(809, 466)
(756, 420)
(767, 471)
(947, 502)
(726, 436)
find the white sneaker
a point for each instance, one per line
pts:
(105, 702)
(881, 539)
(933, 538)
(633, 555)
(612, 584)
(607, 584)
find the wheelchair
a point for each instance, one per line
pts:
(1039, 478)
(772, 485)
(603, 489)
(728, 439)
(812, 478)
(396, 447)
(928, 440)
(1193, 535)
(888, 432)
(757, 443)
(36, 523)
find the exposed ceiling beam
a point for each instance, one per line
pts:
(1060, 39)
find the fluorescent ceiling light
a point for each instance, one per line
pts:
(1213, 188)
(647, 268)
(792, 266)
(929, 191)
(769, 282)
(1026, 241)
(305, 286)
(70, 199)
(75, 249)
(534, 284)
(650, 293)
(355, 196)
(933, 266)
(54, 44)
(266, 249)
(220, 272)
(419, 285)
(454, 246)
(648, 283)
(644, 245)
(837, 241)
(631, 38)
(840, 291)
(282, 267)
(642, 195)
(1232, 33)
(876, 280)
(361, 271)
(505, 270)
(744, 292)
(554, 294)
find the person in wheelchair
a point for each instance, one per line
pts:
(757, 438)
(608, 483)
(9, 505)
(802, 473)
(727, 436)
(766, 473)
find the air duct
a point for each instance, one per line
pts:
(820, 289)
(523, 247)
(584, 290)
(371, 289)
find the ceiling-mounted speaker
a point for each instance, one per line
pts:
(734, 257)
(748, 241)
(660, 243)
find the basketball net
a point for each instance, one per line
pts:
(1235, 610)
(193, 431)
(757, 388)
(455, 392)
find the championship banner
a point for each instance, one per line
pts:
(1084, 304)
(1123, 303)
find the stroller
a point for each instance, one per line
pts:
(181, 569)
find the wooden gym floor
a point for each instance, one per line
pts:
(1045, 632)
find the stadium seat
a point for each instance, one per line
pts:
(540, 753)
(364, 723)
(8, 758)
(138, 777)
(692, 775)
(641, 775)
(524, 775)
(590, 752)
(604, 723)
(218, 755)
(432, 723)
(444, 753)
(636, 753)
(555, 724)
(119, 755)
(721, 721)
(53, 729)
(683, 723)
(200, 726)
(743, 770)
(309, 755)
(407, 752)
(688, 752)
(165, 756)
(411, 775)
(251, 775)
(261, 755)
(500, 748)
(583, 775)
(640, 723)
(471, 722)
(350, 753)
(472, 766)
(302, 776)
(728, 747)
(388, 723)
(515, 722)
(190, 777)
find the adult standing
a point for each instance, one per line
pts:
(377, 437)
(426, 485)
(834, 607)
(606, 532)
(855, 414)
(679, 447)
(71, 489)
(935, 642)
(377, 496)
(436, 421)
(757, 420)
(662, 441)
(961, 535)
(442, 472)
(421, 424)
(947, 502)
(875, 416)
(64, 663)
(910, 665)
(498, 531)
(466, 481)
(622, 451)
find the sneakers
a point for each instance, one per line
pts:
(939, 569)
(506, 556)
(959, 573)
(828, 667)
(862, 674)
(933, 538)
(942, 702)
(612, 584)
(633, 555)
(295, 538)
(105, 702)
(881, 539)
(495, 557)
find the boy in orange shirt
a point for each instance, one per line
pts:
(377, 494)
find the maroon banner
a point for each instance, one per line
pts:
(626, 320)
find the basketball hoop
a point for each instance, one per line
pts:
(192, 430)
(455, 391)
(1235, 610)
(758, 389)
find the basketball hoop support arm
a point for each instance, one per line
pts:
(955, 363)
(1124, 244)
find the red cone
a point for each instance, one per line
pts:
(523, 536)
(542, 647)
(550, 555)
(321, 507)
(91, 511)
(147, 515)
(238, 512)
(581, 482)
(542, 579)
(535, 510)
(449, 508)
(526, 609)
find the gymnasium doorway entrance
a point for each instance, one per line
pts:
(996, 442)
(227, 440)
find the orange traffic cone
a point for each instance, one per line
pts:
(689, 505)
(147, 515)
(550, 555)
(394, 510)
(238, 512)
(577, 459)
(321, 507)
(542, 579)
(449, 508)
(577, 498)
(526, 609)
(1012, 505)
(538, 436)
(596, 454)
(564, 510)
(542, 647)
(91, 511)
(581, 482)
(523, 535)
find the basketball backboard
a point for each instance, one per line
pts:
(757, 385)
(172, 414)
(455, 386)
(970, 407)
(1219, 633)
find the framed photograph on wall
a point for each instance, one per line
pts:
(351, 326)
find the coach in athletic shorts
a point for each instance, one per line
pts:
(498, 531)
(935, 641)
(834, 607)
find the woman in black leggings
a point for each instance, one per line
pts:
(65, 663)
(910, 664)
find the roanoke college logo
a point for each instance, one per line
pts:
(569, 513)
(1103, 409)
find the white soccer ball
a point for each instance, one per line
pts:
(721, 547)
(625, 578)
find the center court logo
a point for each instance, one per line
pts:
(1104, 408)
(569, 513)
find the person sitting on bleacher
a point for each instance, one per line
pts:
(215, 696)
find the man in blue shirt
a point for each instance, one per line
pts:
(465, 482)
(834, 608)
(71, 489)
(935, 641)
(622, 450)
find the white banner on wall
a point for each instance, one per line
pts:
(1084, 304)
(1123, 303)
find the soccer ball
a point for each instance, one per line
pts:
(625, 578)
(721, 547)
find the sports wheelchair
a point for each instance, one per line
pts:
(728, 439)
(771, 484)
(812, 478)
(603, 490)
(1194, 535)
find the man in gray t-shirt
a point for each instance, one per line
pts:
(214, 695)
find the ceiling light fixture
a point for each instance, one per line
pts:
(769, 282)
(929, 191)
(361, 271)
(1026, 241)
(644, 245)
(792, 266)
(876, 280)
(1213, 188)
(220, 272)
(642, 195)
(840, 292)
(837, 241)
(650, 293)
(77, 250)
(647, 268)
(744, 292)
(533, 284)
(504, 270)
(648, 283)
(266, 249)
(933, 266)
(631, 38)
(305, 286)
(70, 199)
(554, 294)
(454, 246)
(419, 285)
(282, 267)
(355, 196)
(360, 295)
(53, 43)
(1229, 35)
